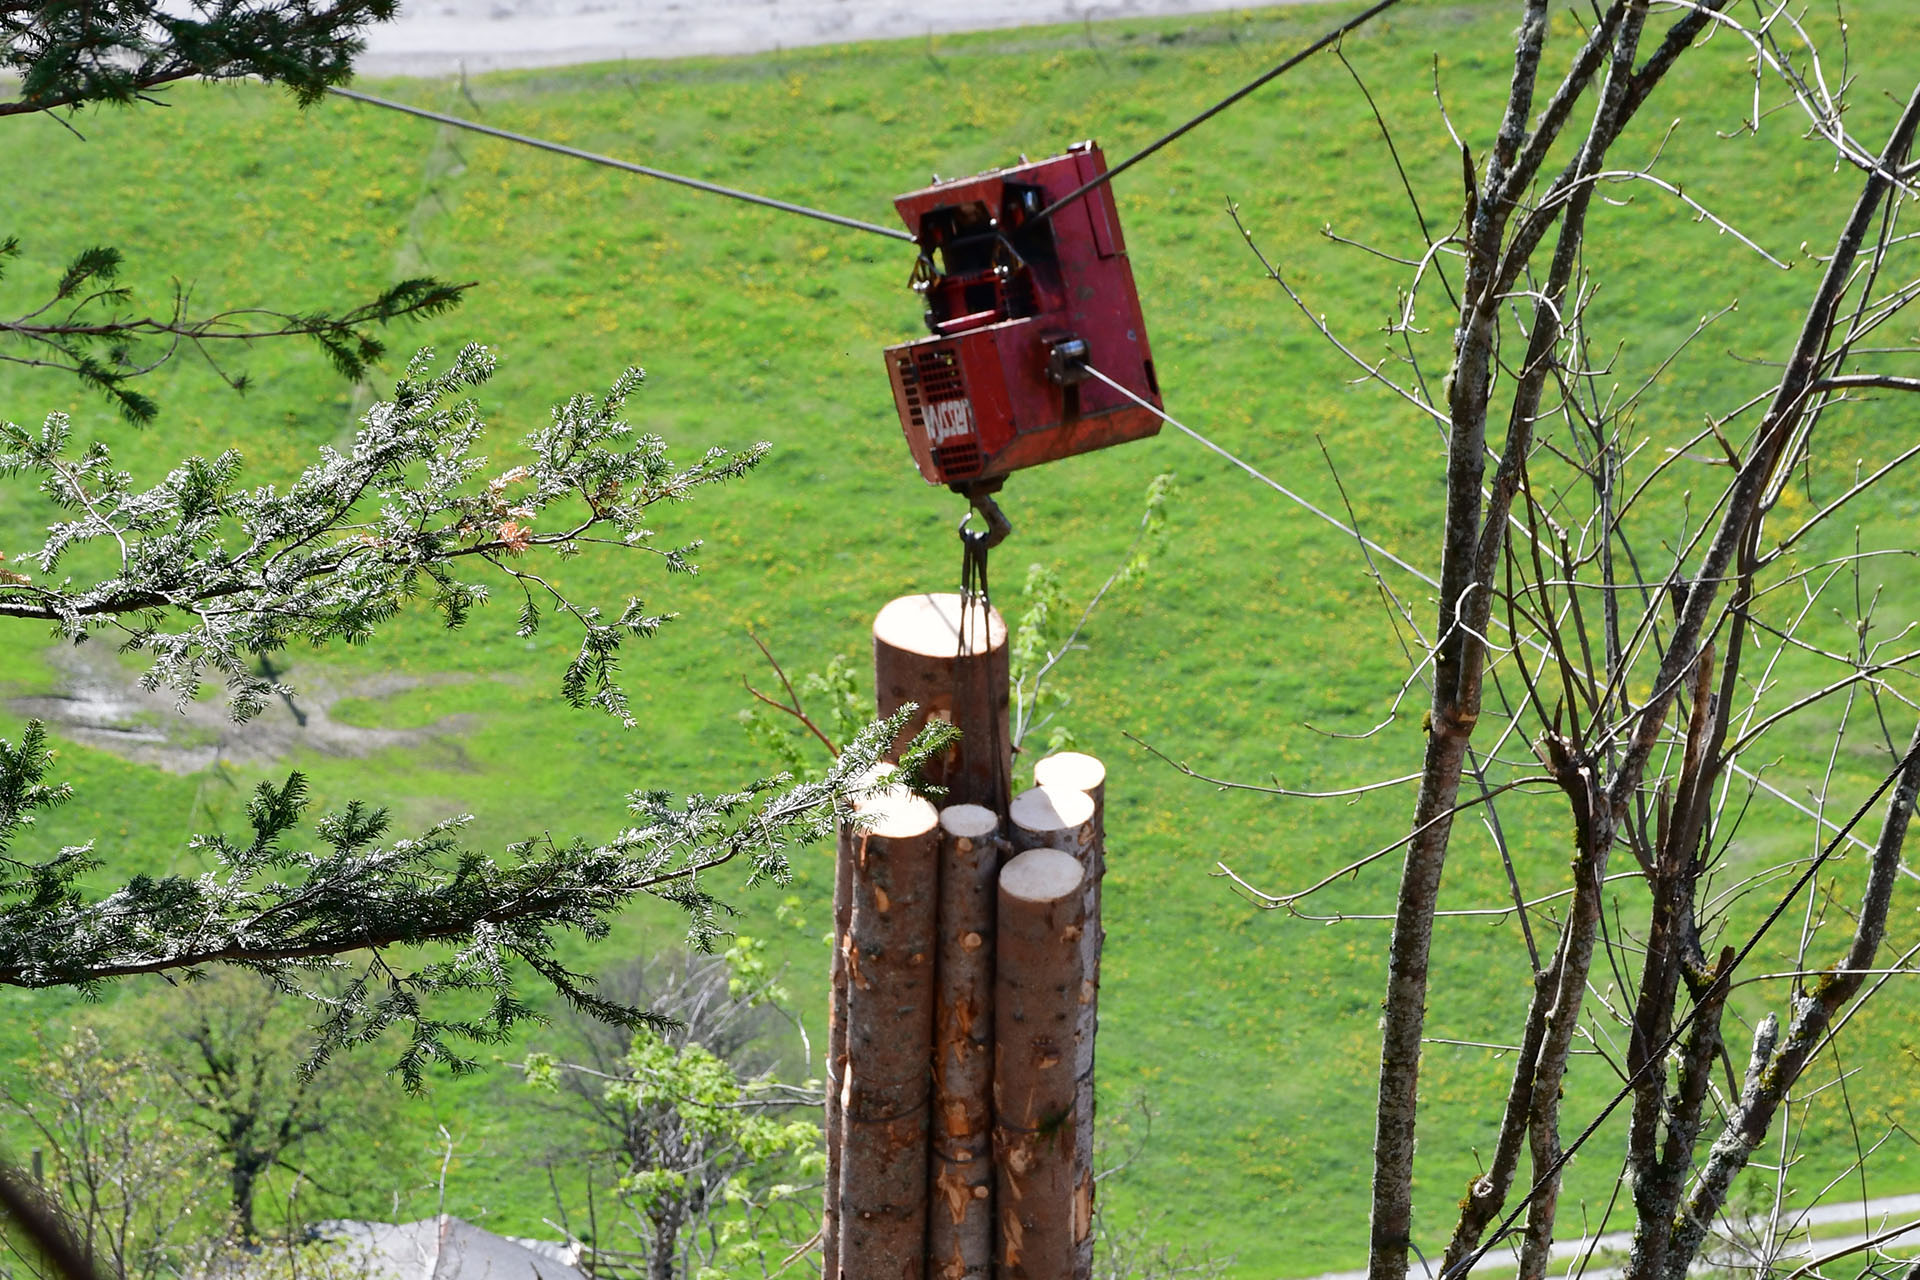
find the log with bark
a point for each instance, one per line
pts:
(1077, 771)
(844, 852)
(882, 1203)
(833, 1122)
(950, 660)
(960, 1214)
(1064, 812)
(1037, 981)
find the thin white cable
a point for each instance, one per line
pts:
(1365, 541)
(1267, 480)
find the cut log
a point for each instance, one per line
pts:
(960, 1208)
(844, 852)
(1049, 817)
(1054, 818)
(884, 1094)
(951, 662)
(1075, 771)
(1066, 811)
(1037, 980)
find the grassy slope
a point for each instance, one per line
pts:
(1252, 1036)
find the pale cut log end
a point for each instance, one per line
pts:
(969, 821)
(897, 814)
(872, 782)
(1070, 771)
(1045, 810)
(1042, 875)
(930, 624)
(871, 790)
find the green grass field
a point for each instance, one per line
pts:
(1251, 1036)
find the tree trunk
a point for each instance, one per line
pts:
(1403, 1022)
(960, 1215)
(1075, 773)
(890, 969)
(1563, 1021)
(1036, 1010)
(951, 662)
(245, 1178)
(662, 1257)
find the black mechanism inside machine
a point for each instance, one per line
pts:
(1003, 264)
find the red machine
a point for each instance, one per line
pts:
(1019, 306)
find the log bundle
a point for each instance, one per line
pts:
(965, 969)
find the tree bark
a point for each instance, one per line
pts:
(662, 1258)
(960, 1213)
(1563, 1019)
(1487, 1193)
(1397, 1107)
(835, 1120)
(845, 851)
(1659, 1191)
(1673, 953)
(1075, 771)
(951, 662)
(889, 984)
(1036, 1009)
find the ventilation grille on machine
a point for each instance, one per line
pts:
(931, 376)
(957, 461)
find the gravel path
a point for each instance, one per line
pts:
(1879, 1217)
(440, 37)
(99, 702)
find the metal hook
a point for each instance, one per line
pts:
(998, 526)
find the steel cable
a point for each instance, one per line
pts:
(1332, 37)
(645, 171)
(1267, 480)
(839, 220)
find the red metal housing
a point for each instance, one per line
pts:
(1018, 307)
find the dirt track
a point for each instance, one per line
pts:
(439, 37)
